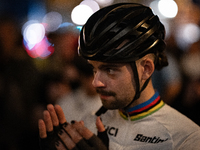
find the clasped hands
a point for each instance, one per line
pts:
(56, 133)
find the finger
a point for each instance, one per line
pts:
(81, 122)
(75, 136)
(100, 125)
(69, 143)
(42, 128)
(83, 145)
(82, 130)
(48, 121)
(53, 114)
(60, 113)
(60, 146)
(102, 133)
(97, 143)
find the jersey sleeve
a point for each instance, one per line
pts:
(191, 142)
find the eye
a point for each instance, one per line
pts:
(94, 71)
(92, 68)
(110, 70)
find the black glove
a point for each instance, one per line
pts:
(48, 143)
(103, 135)
(99, 142)
(104, 138)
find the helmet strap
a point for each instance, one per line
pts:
(137, 84)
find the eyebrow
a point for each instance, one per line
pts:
(111, 65)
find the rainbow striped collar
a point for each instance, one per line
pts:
(142, 110)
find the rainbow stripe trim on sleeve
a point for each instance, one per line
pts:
(142, 110)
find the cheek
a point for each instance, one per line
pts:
(125, 88)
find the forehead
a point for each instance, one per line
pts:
(99, 63)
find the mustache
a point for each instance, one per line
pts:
(103, 92)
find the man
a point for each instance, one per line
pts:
(124, 44)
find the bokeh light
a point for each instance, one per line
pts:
(52, 21)
(79, 27)
(35, 41)
(34, 33)
(168, 8)
(42, 49)
(187, 34)
(80, 14)
(92, 4)
(104, 3)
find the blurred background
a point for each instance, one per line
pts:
(39, 63)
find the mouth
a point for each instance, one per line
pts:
(104, 94)
(104, 97)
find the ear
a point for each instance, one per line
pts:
(148, 68)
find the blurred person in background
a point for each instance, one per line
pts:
(189, 99)
(187, 54)
(19, 79)
(59, 74)
(84, 101)
(51, 88)
(54, 86)
(65, 41)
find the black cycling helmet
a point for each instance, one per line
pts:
(123, 32)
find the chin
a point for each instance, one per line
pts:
(110, 107)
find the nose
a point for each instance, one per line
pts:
(98, 81)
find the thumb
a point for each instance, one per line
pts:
(100, 125)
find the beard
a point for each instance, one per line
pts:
(114, 102)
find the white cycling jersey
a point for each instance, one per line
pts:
(152, 125)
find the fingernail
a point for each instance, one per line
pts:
(72, 122)
(65, 124)
(82, 122)
(60, 132)
(57, 143)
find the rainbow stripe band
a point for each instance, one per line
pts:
(145, 109)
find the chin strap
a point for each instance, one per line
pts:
(102, 110)
(137, 84)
